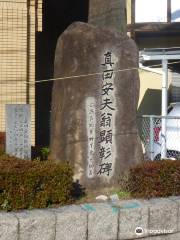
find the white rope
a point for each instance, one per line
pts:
(85, 75)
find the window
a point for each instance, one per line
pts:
(175, 10)
(151, 10)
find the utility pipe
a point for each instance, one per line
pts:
(164, 107)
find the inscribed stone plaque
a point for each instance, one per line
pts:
(93, 123)
(18, 130)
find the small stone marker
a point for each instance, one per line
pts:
(18, 130)
(93, 124)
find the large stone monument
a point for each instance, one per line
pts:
(110, 14)
(94, 106)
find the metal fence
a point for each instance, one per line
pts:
(154, 142)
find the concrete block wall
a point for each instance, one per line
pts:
(158, 219)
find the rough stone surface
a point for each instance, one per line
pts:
(163, 214)
(108, 13)
(96, 221)
(175, 236)
(177, 200)
(162, 237)
(36, 225)
(79, 105)
(133, 215)
(102, 222)
(8, 226)
(71, 223)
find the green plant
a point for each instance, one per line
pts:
(45, 151)
(2, 152)
(33, 184)
(5, 205)
(123, 194)
(155, 179)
